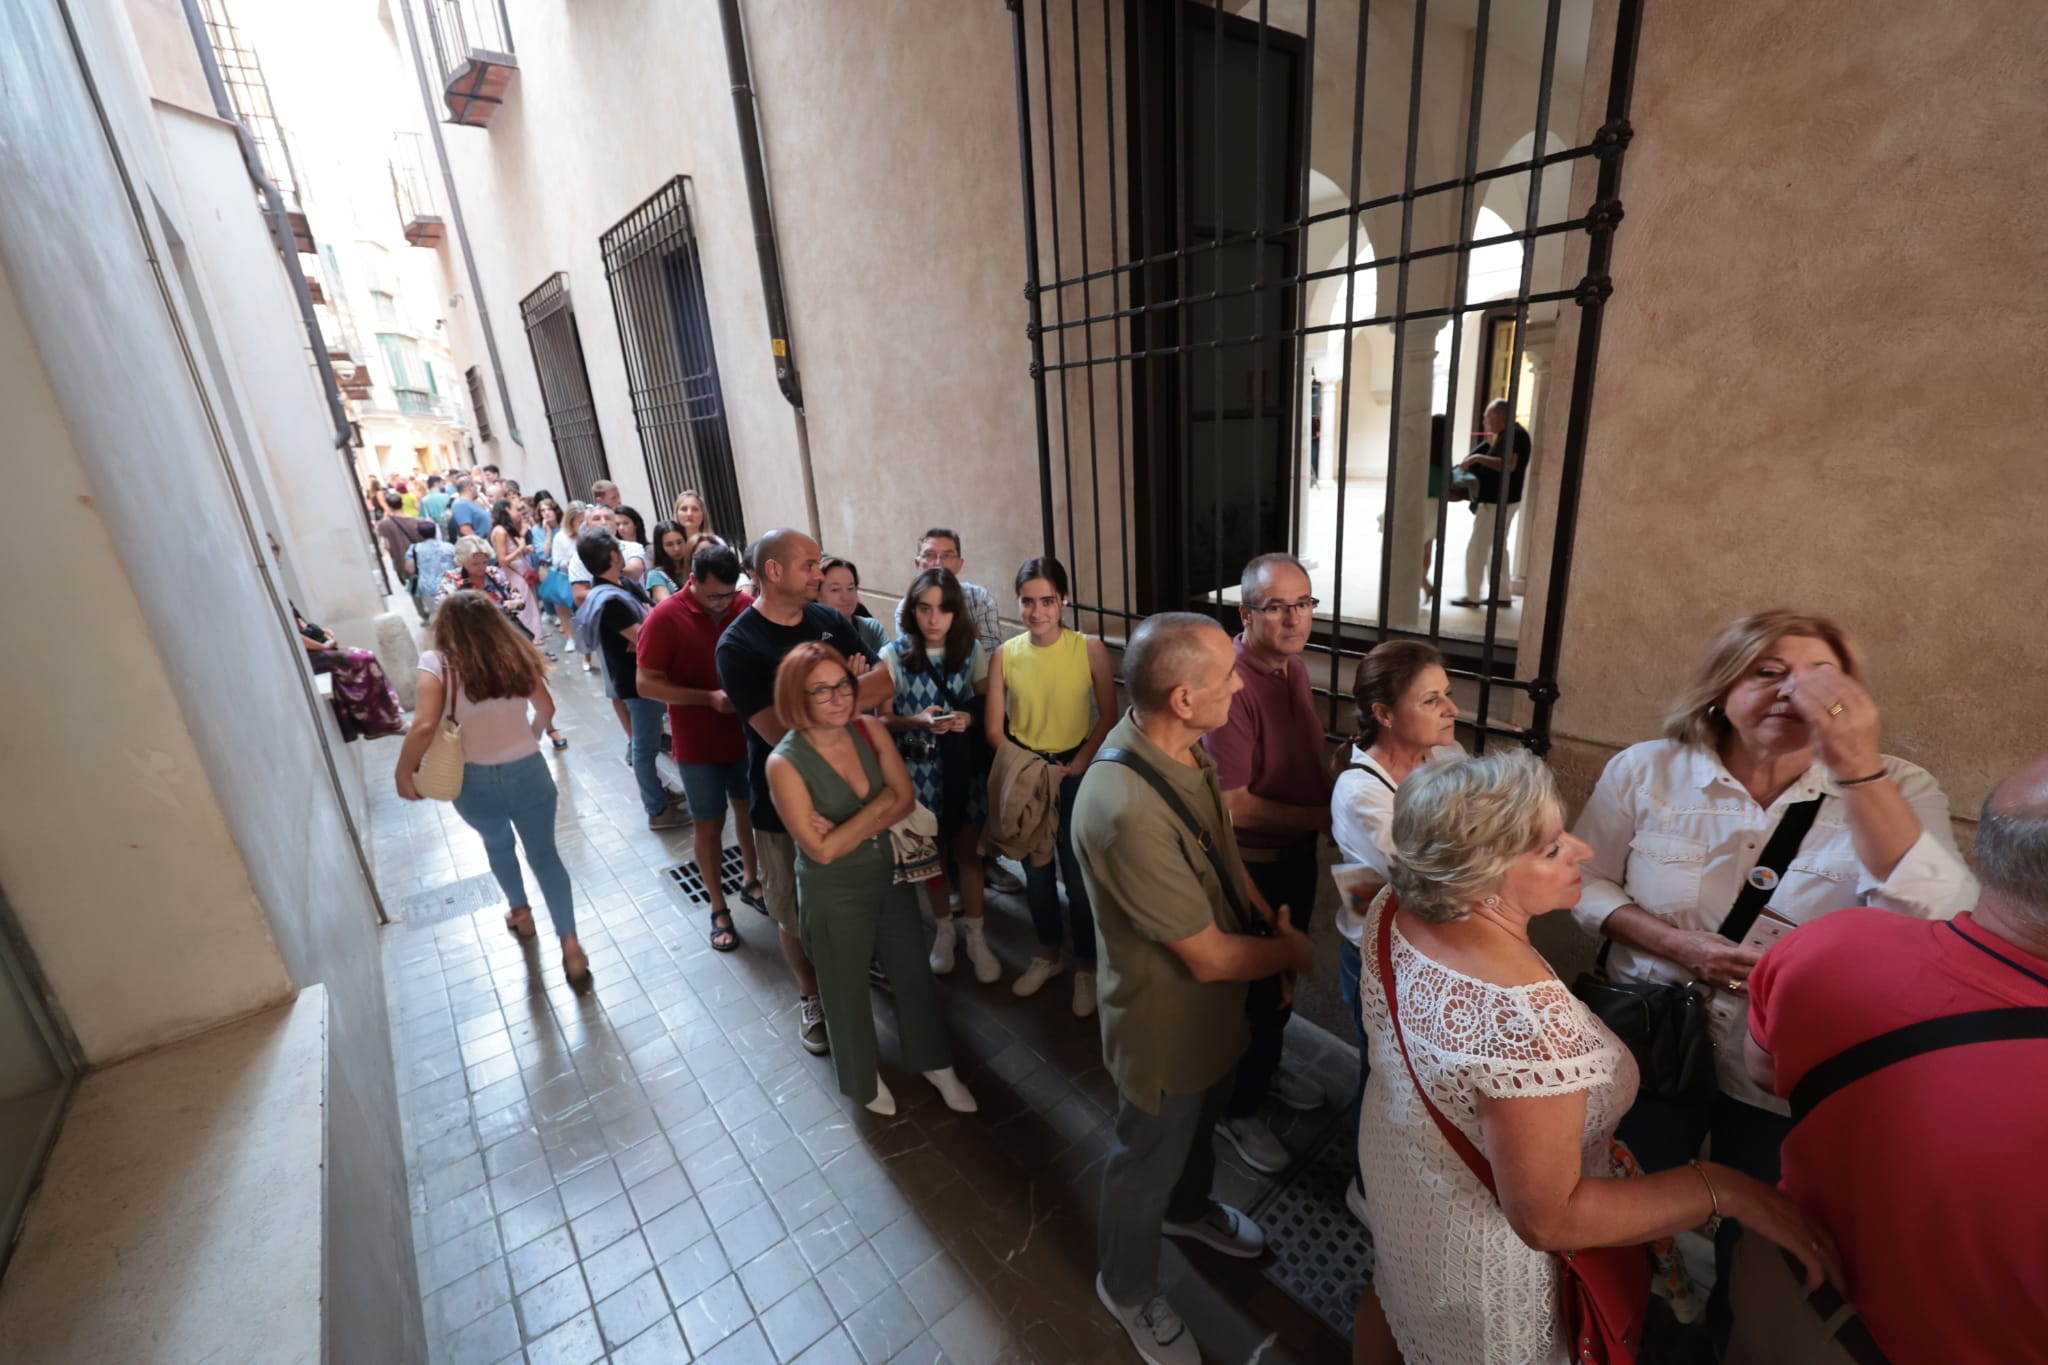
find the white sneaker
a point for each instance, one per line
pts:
(1295, 1091)
(1255, 1142)
(1354, 1200)
(942, 948)
(1084, 994)
(1157, 1332)
(986, 969)
(810, 1026)
(1041, 970)
(883, 1103)
(1224, 1229)
(952, 1091)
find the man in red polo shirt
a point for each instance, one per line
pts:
(678, 664)
(1928, 1170)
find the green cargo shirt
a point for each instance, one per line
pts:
(1151, 885)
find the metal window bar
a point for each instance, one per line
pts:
(474, 377)
(461, 28)
(412, 190)
(242, 73)
(557, 349)
(653, 265)
(1172, 297)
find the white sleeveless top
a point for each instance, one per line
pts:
(1459, 1287)
(494, 731)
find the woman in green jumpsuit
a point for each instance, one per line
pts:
(839, 783)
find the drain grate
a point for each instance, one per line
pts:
(1320, 1257)
(690, 881)
(453, 901)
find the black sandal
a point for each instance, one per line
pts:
(730, 934)
(753, 895)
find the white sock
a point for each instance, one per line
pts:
(952, 1091)
(883, 1103)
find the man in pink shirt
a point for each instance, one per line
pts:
(1276, 787)
(1920, 1119)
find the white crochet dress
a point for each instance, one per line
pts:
(1459, 1287)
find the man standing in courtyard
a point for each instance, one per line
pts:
(1181, 932)
(1484, 464)
(786, 614)
(1269, 762)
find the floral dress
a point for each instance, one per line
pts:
(497, 583)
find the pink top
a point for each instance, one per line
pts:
(494, 731)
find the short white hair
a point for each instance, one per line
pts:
(471, 545)
(1459, 825)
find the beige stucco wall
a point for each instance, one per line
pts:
(1821, 366)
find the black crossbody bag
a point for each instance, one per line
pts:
(1665, 1025)
(1251, 921)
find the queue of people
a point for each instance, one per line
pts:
(1804, 992)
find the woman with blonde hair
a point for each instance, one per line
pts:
(1767, 803)
(487, 677)
(1484, 1137)
(693, 516)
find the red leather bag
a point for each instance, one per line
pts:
(1606, 1290)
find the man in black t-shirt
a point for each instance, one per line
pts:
(624, 606)
(785, 614)
(1484, 464)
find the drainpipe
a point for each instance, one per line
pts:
(476, 284)
(746, 115)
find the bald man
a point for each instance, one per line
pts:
(1918, 1132)
(785, 614)
(1181, 930)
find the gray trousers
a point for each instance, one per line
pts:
(1160, 1168)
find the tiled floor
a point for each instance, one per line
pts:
(658, 1172)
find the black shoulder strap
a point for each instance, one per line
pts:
(1374, 773)
(1232, 892)
(1777, 854)
(1852, 1064)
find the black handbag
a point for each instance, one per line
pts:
(1663, 1024)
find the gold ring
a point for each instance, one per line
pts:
(1837, 709)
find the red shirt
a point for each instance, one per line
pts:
(1272, 745)
(1932, 1173)
(680, 640)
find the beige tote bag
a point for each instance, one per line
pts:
(440, 774)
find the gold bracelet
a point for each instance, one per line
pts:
(1713, 1223)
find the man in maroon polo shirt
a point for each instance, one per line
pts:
(1269, 762)
(678, 664)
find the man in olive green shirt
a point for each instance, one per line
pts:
(1175, 955)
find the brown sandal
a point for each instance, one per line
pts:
(520, 921)
(576, 968)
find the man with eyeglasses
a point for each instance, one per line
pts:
(678, 664)
(785, 614)
(1269, 762)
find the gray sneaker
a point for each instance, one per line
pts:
(1224, 1229)
(810, 1026)
(672, 816)
(1255, 1143)
(1157, 1332)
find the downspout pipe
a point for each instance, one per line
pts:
(476, 284)
(746, 118)
(280, 225)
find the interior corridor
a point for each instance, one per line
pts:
(658, 1172)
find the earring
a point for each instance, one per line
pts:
(1490, 902)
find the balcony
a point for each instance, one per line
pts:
(473, 50)
(413, 192)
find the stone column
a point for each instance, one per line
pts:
(1538, 351)
(1412, 525)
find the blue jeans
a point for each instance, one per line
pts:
(1349, 963)
(646, 745)
(1042, 892)
(499, 798)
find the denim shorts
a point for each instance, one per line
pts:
(710, 787)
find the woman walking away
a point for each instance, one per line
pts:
(562, 550)
(1050, 694)
(941, 673)
(485, 676)
(839, 785)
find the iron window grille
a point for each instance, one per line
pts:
(474, 377)
(249, 92)
(474, 54)
(1182, 193)
(564, 384)
(653, 265)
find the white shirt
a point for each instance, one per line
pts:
(494, 731)
(1362, 821)
(579, 574)
(1674, 833)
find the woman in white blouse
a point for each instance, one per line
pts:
(1517, 1065)
(1405, 718)
(1774, 715)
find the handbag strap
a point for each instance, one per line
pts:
(1778, 853)
(1374, 773)
(1466, 1149)
(1232, 892)
(2009, 1024)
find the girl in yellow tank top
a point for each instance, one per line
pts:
(1051, 690)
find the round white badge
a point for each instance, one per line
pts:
(1763, 879)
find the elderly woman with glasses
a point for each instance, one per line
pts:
(476, 571)
(839, 784)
